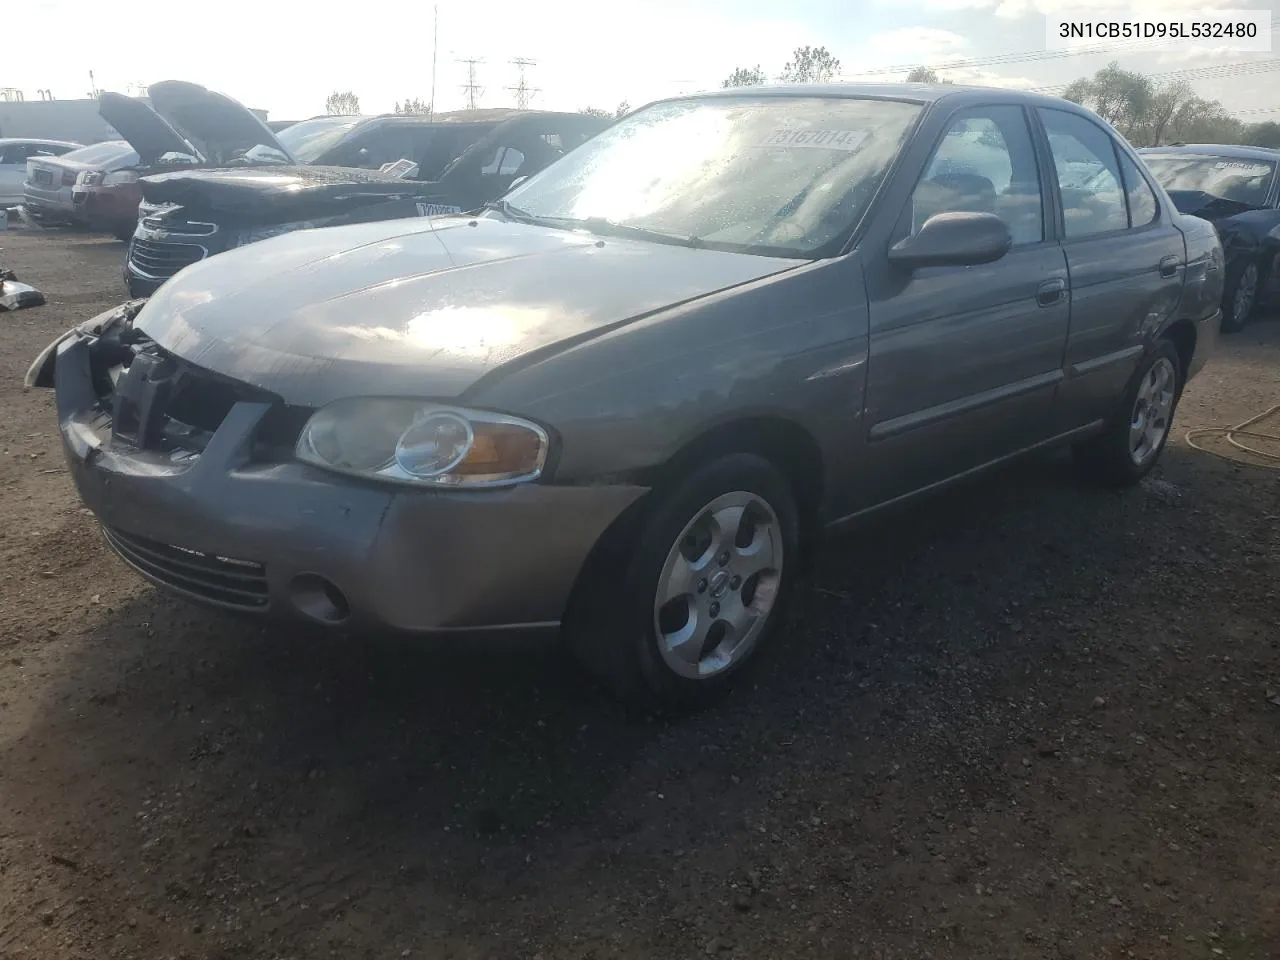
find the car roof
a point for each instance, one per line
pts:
(924, 93)
(41, 143)
(1214, 150)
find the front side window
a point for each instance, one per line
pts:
(781, 176)
(1089, 182)
(986, 163)
(1243, 180)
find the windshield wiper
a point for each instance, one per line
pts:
(598, 225)
(512, 213)
(606, 227)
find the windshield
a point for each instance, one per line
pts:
(775, 175)
(1232, 178)
(308, 139)
(112, 152)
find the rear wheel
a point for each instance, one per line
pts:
(1240, 298)
(707, 575)
(1131, 444)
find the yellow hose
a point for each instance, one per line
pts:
(1240, 430)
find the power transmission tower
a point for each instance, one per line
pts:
(522, 90)
(470, 88)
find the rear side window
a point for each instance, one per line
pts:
(1142, 200)
(1089, 180)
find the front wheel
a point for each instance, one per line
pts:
(1131, 444)
(708, 572)
(1240, 298)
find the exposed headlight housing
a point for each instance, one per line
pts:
(423, 444)
(254, 234)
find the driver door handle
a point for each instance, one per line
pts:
(1169, 265)
(1050, 292)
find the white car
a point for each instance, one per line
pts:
(14, 154)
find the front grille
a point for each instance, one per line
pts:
(160, 259)
(238, 584)
(185, 228)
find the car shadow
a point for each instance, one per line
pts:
(239, 774)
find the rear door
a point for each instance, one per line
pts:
(964, 361)
(1125, 259)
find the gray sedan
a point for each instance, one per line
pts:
(625, 400)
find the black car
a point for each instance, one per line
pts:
(1235, 189)
(330, 171)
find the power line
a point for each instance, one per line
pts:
(522, 90)
(1027, 56)
(470, 88)
(1214, 72)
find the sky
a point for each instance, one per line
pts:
(587, 53)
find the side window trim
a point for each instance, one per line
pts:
(1136, 164)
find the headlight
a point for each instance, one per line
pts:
(254, 234)
(409, 441)
(119, 176)
(88, 178)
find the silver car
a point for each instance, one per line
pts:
(624, 400)
(48, 191)
(14, 154)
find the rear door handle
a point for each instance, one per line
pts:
(1050, 292)
(1169, 265)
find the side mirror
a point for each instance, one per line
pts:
(954, 240)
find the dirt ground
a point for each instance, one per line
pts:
(1028, 719)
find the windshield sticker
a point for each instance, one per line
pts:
(822, 139)
(1253, 169)
(436, 209)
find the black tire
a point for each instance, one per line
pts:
(612, 626)
(1240, 296)
(1108, 457)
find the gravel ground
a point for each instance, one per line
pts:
(1027, 719)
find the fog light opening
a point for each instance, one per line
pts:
(318, 598)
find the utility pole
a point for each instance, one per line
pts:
(435, 48)
(470, 88)
(522, 90)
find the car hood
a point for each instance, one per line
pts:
(421, 307)
(214, 122)
(1207, 206)
(268, 194)
(145, 130)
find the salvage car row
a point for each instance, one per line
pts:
(623, 400)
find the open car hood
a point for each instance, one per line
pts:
(218, 125)
(145, 130)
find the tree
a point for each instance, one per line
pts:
(1165, 103)
(923, 74)
(810, 65)
(414, 107)
(616, 114)
(745, 77)
(344, 103)
(1266, 134)
(1121, 97)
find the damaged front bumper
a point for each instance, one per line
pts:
(196, 488)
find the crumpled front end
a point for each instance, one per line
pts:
(193, 479)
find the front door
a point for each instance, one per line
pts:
(964, 361)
